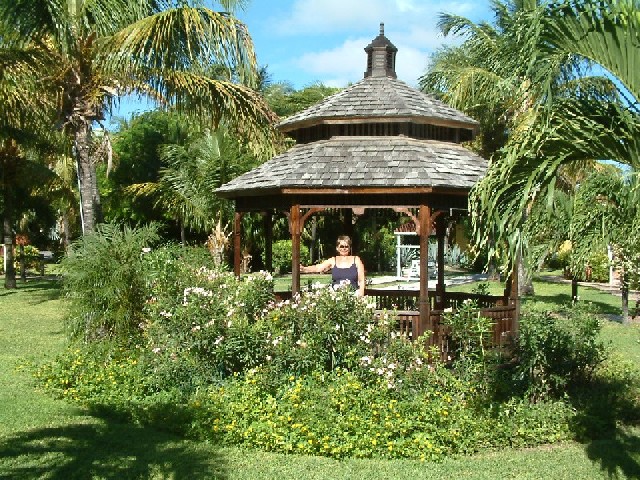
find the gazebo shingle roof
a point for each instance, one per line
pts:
(384, 98)
(352, 162)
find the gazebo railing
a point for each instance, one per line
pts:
(408, 299)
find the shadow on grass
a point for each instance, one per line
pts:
(616, 455)
(560, 300)
(608, 422)
(110, 451)
(40, 289)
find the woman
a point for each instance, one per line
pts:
(345, 268)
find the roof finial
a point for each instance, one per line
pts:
(381, 56)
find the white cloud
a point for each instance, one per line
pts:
(329, 16)
(317, 17)
(345, 61)
(332, 34)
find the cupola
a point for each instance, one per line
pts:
(381, 57)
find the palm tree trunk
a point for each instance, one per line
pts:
(90, 208)
(525, 279)
(8, 174)
(624, 290)
(10, 270)
(183, 234)
(23, 265)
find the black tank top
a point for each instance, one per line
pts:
(340, 275)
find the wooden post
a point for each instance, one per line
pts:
(514, 296)
(268, 241)
(424, 230)
(441, 230)
(295, 229)
(237, 246)
(348, 222)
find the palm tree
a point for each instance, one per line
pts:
(607, 213)
(164, 50)
(192, 172)
(488, 78)
(24, 125)
(579, 125)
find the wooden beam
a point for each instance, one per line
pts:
(514, 296)
(268, 241)
(237, 242)
(424, 223)
(436, 121)
(295, 229)
(441, 231)
(364, 190)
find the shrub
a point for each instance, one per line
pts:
(556, 352)
(202, 324)
(339, 415)
(104, 281)
(215, 357)
(470, 333)
(31, 257)
(281, 256)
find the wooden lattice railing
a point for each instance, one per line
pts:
(404, 304)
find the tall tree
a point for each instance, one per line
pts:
(584, 124)
(607, 214)
(487, 77)
(192, 171)
(163, 50)
(25, 107)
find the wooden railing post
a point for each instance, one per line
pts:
(441, 230)
(268, 241)
(237, 243)
(295, 229)
(424, 230)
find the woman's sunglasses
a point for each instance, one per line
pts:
(343, 246)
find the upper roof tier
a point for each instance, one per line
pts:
(379, 98)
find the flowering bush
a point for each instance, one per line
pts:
(215, 356)
(338, 414)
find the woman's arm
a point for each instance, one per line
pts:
(318, 267)
(361, 277)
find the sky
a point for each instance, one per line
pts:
(304, 41)
(308, 41)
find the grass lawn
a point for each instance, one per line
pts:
(41, 437)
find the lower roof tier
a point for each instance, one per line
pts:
(363, 162)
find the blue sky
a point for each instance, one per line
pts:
(305, 41)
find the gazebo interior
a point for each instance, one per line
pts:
(378, 144)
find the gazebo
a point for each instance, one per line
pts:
(377, 144)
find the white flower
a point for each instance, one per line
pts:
(219, 340)
(448, 310)
(366, 360)
(268, 358)
(146, 250)
(166, 314)
(196, 328)
(156, 350)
